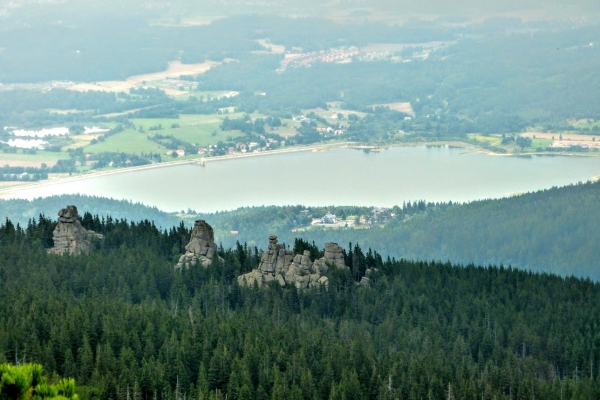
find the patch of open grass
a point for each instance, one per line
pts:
(491, 140)
(85, 168)
(202, 135)
(196, 129)
(543, 143)
(591, 125)
(48, 157)
(128, 141)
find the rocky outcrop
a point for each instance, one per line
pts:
(201, 248)
(333, 257)
(275, 258)
(287, 268)
(70, 237)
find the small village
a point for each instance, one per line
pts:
(306, 59)
(327, 128)
(376, 216)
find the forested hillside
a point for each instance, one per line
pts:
(553, 230)
(126, 325)
(20, 211)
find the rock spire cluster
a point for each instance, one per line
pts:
(70, 237)
(276, 264)
(287, 268)
(201, 248)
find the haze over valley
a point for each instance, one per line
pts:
(299, 200)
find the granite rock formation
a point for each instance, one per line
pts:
(201, 248)
(333, 257)
(287, 268)
(70, 236)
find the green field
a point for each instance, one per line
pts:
(535, 143)
(492, 140)
(19, 158)
(128, 141)
(592, 125)
(200, 130)
(195, 129)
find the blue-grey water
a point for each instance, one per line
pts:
(337, 177)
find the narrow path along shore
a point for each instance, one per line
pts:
(12, 190)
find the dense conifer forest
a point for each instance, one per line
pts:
(552, 230)
(126, 325)
(20, 211)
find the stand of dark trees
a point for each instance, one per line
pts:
(551, 231)
(123, 322)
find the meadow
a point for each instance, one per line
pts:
(21, 159)
(540, 142)
(128, 141)
(201, 130)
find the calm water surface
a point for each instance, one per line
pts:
(337, 177)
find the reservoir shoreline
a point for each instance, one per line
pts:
(323, 175)
(343, 175)
(13, 188)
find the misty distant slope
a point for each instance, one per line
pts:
(20, 211)
(554, 230)
(180, 8)
(480, 6)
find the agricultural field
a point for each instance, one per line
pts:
(79, 141)
(128, 141)
(202, 130)
(540, 142)
(333, 107)
(587, 124)
(567, 136)
(404, 107)
(199, 130)
(175, 70)
(493, 140)
(20, 159)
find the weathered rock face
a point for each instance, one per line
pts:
(275, 258)
(287, 268)
(70, 237)
(333, 257)
(201, 248)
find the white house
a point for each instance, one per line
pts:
(329, 218)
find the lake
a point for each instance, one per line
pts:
(45, 132)
(42, 133)
(336, 177)
(26, 143)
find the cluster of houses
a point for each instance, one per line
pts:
(14, 177)
(329, 218)
(177, 84)
(377, 215)
(304, 59)
(302, 120)
(255, 146)
(380, 213)
(180, 152)
(330, 130)
(252, 147)
(562, 144)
